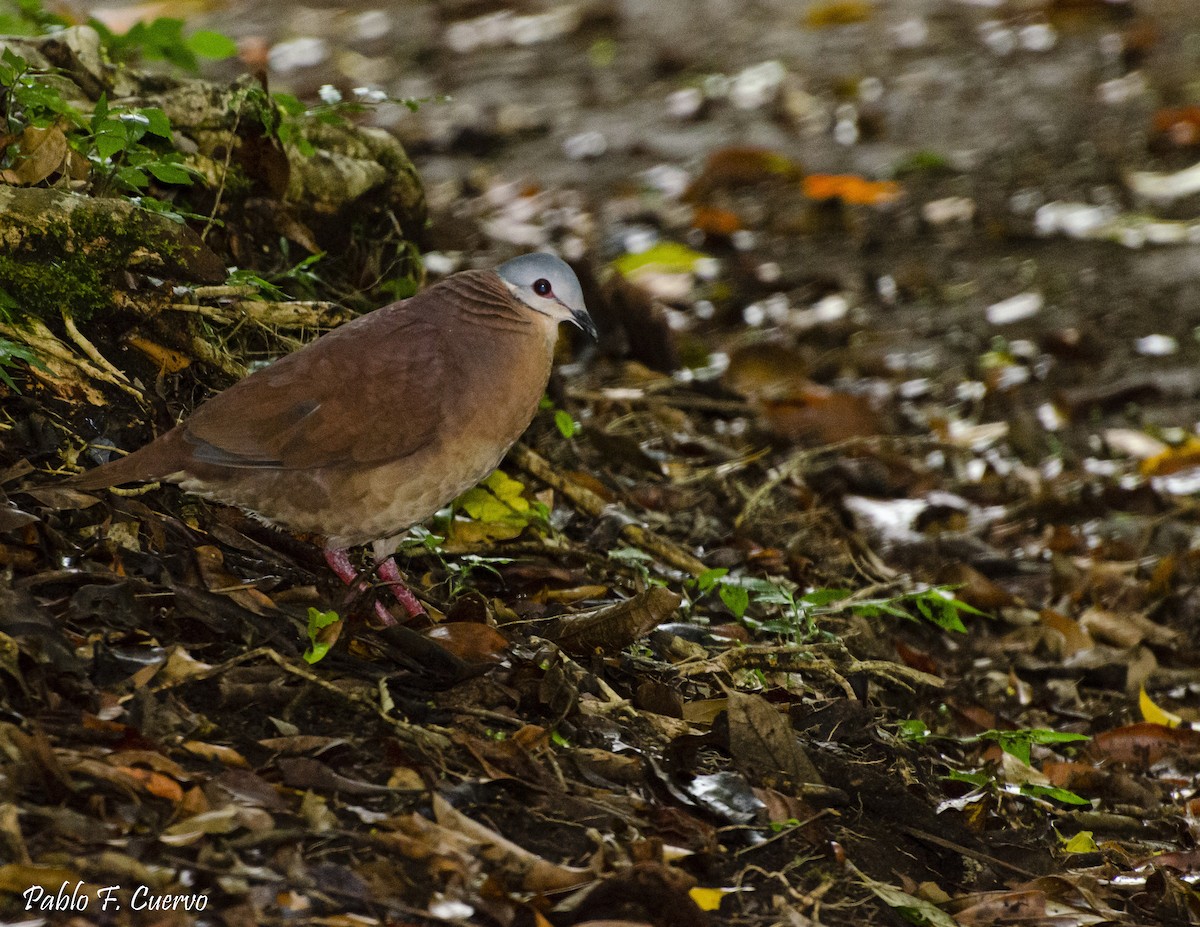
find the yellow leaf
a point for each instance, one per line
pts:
(1155, 715)
(1082, 842)
(482, 505)
(709, 899)
(664, 257)
(508, 490)
(466, 534)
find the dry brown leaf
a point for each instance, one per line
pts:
(220, 753)
(43, 153)
(217, 579)
(520, 868)
(470, 641)
(1125, 629)
(569, 596)
(1143, 744)
(612, 628)
(764, 746)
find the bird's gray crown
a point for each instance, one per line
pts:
(527, 269)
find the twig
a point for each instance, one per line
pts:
(412, 733)
(229, 149)
(638, 396)
(591, 504)
(49, 347)
(269, 313)
(89, 349)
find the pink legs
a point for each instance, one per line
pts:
(390, 574)
(339, 561)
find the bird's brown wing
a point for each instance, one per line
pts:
(372, 390)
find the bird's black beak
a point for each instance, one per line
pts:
(581, 318)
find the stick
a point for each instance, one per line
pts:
(664, 549)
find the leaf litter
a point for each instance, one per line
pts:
(692, 659)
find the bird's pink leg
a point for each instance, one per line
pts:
(390, 574)
(338, 559)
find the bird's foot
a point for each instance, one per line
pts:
(339, 561)
(390, 574)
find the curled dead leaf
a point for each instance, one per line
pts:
(612, 628)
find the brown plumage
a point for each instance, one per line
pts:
(376, 425)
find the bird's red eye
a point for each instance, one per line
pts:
(542, 287)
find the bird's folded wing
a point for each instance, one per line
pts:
(371, 391)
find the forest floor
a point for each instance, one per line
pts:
(851, 579)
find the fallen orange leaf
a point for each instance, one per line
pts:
(852, 189)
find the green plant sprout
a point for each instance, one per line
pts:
(318, 621)
(564, 421)
(796, 615)
(333, 109)
(10, 352)
(121, 144)
(1016, 743)
(301, 276)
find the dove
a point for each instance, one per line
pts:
(379, 423)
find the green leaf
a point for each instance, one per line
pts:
(823, 597)
(110, 139)
(317, 622)
(1082, 842)
(706, 580)
(1066, 796)
(10, 351)
(14, 62)
(133, 178)
(914, 729)
(497, 498)
(736, 598)
(976, 779)
(209, 44)
(167, 172)
(239, 277)
(566, 424)
(157, 122)
(290, 105)
(1018, 742)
